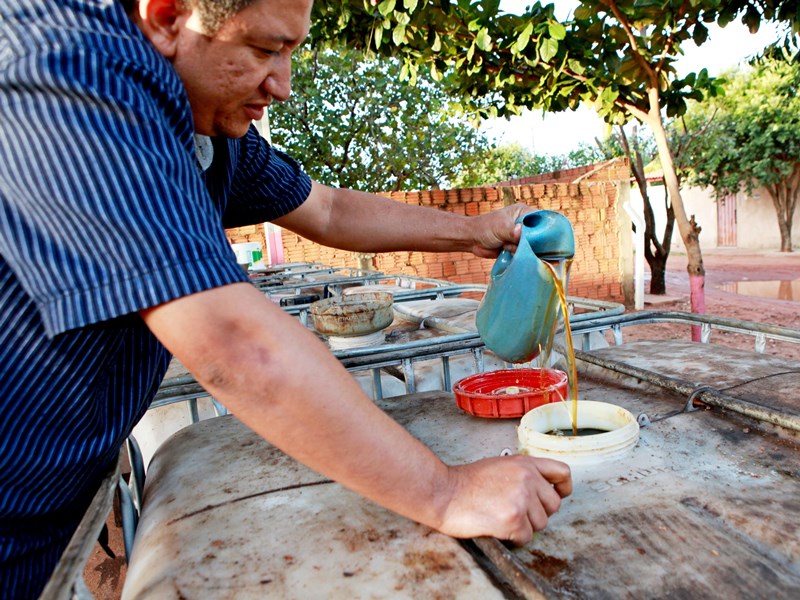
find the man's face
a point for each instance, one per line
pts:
(232, 75)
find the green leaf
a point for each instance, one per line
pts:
(726, 15)
(557, 31)
(699, 34)
(548, 49)
(437, 43)
(575, 66)
(386, 7)
(524, 38)
(399, 35)
(413, 71)
(410, 5)
(484, 40)
(378, 35)
(752, 18)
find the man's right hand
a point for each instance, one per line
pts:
(508, 497)
(255, 359)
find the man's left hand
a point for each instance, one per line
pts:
(498, 230)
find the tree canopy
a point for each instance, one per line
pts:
(355, 123)
(511, 161)
(616, 55)
(610, 53)
(751, 137)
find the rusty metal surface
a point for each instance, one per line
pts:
(228, 516)
(707, 505)
(759, 378)
(354, 314)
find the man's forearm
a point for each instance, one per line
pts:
(283, 383)
(280, 381)
(362, 222)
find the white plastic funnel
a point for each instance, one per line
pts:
(620, 426)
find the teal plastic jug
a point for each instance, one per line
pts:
(518, 313)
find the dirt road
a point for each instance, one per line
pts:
(775, 274)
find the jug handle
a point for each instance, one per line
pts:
(505, 258)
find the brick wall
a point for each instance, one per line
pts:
(589, 197)
(248, 233)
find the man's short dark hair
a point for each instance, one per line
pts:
(213, 13)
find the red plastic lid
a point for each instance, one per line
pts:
(509, 393)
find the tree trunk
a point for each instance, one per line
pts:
(784, 199)
(786, 237)
(655, 253)
(658, 270)
(688, 229)
(658, 253)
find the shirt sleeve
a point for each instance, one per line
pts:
(263, 183)
(103, 210)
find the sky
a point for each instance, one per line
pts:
(559, 133)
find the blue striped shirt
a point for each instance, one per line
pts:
(103, 212)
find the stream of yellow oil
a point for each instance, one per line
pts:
(572, 370)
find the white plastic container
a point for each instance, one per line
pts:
(158, 424)
(620, 426)
(248, 252)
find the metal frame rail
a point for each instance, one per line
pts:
(707, 323)
(305, 277)
(377, 357)
(67, 581)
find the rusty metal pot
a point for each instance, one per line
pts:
(353, 314)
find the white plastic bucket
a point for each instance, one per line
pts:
(620, 426)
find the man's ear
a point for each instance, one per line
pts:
(161, 22)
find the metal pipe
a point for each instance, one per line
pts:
(130, 519)
(408, 370)
(446, 376)
(66, 579)
(776, 332)
(377, 384)
(137, 476)
(194, 414)
(513, 572)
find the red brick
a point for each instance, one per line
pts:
(462, 266)
(435, 270)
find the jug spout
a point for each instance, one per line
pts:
(518, 313)
(549, 234)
